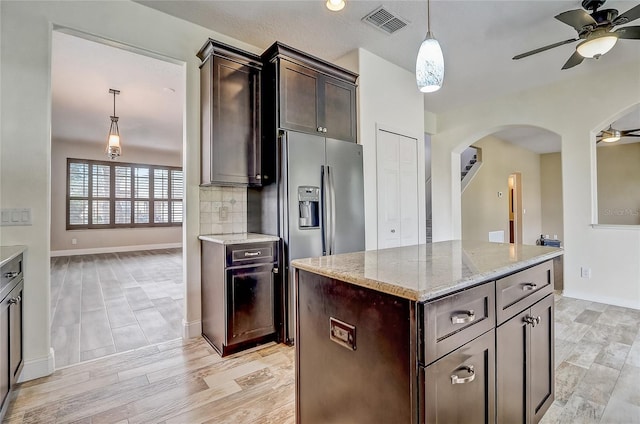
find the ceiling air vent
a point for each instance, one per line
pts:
(386, 21)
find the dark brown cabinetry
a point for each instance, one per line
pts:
(312, 96)
(11, 358)
(230, 98)
(460, 387)
(239, 293)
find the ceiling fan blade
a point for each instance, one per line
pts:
(630, 32)
(541, 49)
(628, 16)
(574, 60)
(577, 18)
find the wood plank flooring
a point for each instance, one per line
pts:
(107, 303)
(171, 382)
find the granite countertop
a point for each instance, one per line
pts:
(427, 271)
(9, 252)
(238, 238)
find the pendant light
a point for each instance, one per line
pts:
(113, 142)
(430, 62)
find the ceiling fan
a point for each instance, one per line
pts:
(595, 29)
(611, 135)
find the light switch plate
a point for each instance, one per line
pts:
(15, 216)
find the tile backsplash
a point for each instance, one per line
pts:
(223, 210)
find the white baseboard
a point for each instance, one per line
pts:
(191, 329)
(616, 301)
(114, 249)
(36, 368)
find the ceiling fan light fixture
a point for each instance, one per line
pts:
(611, 136)
(335, 5)
(597, 46)
(430, 61)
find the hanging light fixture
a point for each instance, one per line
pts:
(597, 45)
(113, 143)
(611, 135)
(335, 5)
(430, 62)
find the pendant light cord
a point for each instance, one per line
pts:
(114, 103)
(428, 18)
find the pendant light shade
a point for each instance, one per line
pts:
(596, 47)
(430, 62)
(429, 65)
(611, 135)
(113, 142)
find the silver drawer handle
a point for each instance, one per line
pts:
(11, 274)
(251, 254)
(529, 286)
(469, 316)
(15, 300)
(472, 376)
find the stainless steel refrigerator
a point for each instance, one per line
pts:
(318, 203)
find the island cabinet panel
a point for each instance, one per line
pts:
(460, 387)
(456, 319)
(525, 359)
(354, 354)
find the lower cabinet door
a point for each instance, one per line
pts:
(511, 375)
(250, 303)
(4, 352)
(460, 387)
(15, 332)
(542, 358)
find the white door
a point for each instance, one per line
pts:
(397, 182)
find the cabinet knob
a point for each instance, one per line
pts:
(324, 130)
(319, 129)
(14, 300)
(275, 270)
(258, 177)
(393, 231)
(532, 320)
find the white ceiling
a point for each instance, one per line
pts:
(478, 37)
(149, 106)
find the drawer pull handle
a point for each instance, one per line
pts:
(472, 376)
(529, 286)
(469, 316)
(11, 274)
(15, 300)
(532, 320)
(251, 254)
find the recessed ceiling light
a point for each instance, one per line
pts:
(335, 5)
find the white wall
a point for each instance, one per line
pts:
(575, 110)
(483, 210)
(551, 193)
(25, 147)
(103, 239)
(388, 98)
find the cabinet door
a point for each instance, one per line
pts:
(298, 98)
(234, 122)
(511, 374)
(337, 107)
(4, 351)
(460, 387)
(542, 358)
(15, 332)
(250, 303)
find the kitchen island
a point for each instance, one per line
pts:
(452, 331)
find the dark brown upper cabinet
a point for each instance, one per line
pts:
(230, 101)
(311, 95)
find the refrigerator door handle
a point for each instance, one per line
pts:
(324, 179)
(332, 188)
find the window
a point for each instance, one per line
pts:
(108, 195)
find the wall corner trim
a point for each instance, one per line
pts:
(39, 367)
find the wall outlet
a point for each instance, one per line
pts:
(223, 213)
(74, 241)
(585, 272)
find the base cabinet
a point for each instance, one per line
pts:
(11, 356)
(525, 354)
(239, 294)
(460, 387)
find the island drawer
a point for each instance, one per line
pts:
(452, 321)
(519, 291)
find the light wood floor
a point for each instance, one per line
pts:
(184, 382)
(174, 382)
(114, 302)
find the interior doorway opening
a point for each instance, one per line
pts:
(515, 208)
